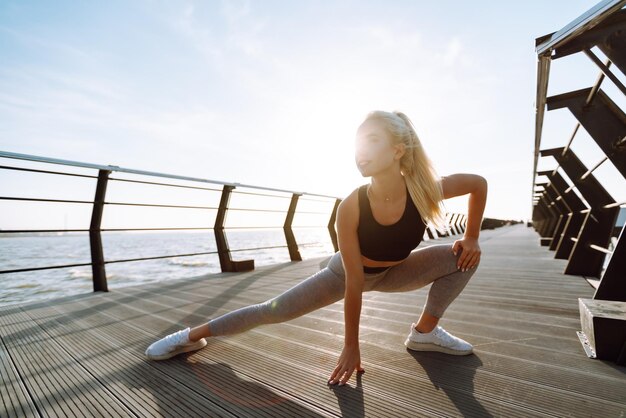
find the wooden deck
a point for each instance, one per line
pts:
(83, 356)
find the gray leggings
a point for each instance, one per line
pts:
(435, 263)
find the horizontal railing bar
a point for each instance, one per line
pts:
(25, 231)
(159, 257)
(44, 268)
(276, 227)
(154, 183)
(316, 200)
(310, 226)
(258, 248)
(601, 249)
(154, 229)
(260, 194)
(17, 156)
(298, 212)
(257, 210)
(32, 199)
(254, 227)
(574, 239)
(35, 231)
(148, 258)
(32, 170)
(308, 244)
(612, 205)
(154, 205)
(283, 197)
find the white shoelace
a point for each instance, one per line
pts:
(444, 336)
(175, 339)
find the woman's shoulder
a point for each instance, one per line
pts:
(348, 210)
(354, 195)
(351, 202)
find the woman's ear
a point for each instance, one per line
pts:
(400, 150)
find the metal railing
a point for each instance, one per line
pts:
(104, 178)
(580, 230)
(224, 253)
(578, 221)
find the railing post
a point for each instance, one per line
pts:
(463, 223)
(223, 250)
(331, 226)
(292, 245)
(455, 223)
(450, 231)
(575, 220)
(597, 227)
(613, 286)
(562, 213)
(95, 239)
(430, 233)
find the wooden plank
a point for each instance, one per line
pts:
(518, 375)
(333, 355)
(306, 382)
(57, 384)
(14, 397)
(519, 311)
(181, 389)
(545, 334)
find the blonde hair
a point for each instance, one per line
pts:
(419, 174)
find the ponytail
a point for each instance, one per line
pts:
(422, 182)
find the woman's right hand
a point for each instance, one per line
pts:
(349, 361)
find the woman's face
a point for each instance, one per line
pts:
(374, 152)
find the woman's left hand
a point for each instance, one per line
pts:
(349, 361)
(470, 256)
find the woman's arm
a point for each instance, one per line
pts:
(476, 187)
(347, 222)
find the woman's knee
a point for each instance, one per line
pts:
(274, 311)
(458, 255)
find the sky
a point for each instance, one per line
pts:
(270, 93)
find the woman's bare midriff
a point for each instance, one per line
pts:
(375, 263)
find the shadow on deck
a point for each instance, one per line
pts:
(84, 354)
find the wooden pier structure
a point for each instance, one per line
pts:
(84, 355)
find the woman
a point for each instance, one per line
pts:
(378, 227)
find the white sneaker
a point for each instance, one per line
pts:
(172, 345)
(437, 340)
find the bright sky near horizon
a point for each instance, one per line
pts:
(270, 93)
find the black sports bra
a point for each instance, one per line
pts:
(388, 242)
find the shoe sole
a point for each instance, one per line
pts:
(201, 343)
(434, 347)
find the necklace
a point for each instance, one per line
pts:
(386, 199)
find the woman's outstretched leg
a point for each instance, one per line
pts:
(321, 289)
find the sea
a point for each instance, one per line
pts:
(19, 252)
